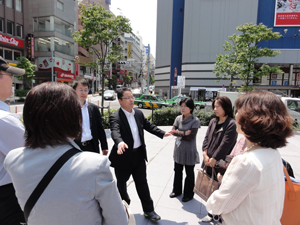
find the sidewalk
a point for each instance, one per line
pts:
(160, 179)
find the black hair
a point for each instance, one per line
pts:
(84, 82)
(121, 92)
(189, 103)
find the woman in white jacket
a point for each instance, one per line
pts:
(83, 191)
(252, 189)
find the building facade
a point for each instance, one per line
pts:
(190, 35)
(13, 32)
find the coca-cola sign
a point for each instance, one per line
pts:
(11, 41)
(65, 75)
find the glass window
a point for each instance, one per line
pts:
(60, 5)
(43, 44)
(8, 54)
(63, 27)
(1, 2)
(9, 3)
(1, 52)
(43, 24)
(63, 46)
(19, 5)
(1, 25)
(10, 28)
(19, 30)
(17, 54)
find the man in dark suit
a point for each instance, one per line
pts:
(92, 129)
(128, 154)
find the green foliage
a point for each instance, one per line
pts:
(21, 93)
(105, 118)
(114, 80)
(25, 64)
(151, 80)
(106, 83)
(100, 29)
(241, 61)
(126, 79)
(166, 116)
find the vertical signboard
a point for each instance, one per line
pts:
(129, 50)
(30, 47)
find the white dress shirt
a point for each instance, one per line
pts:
(82, 192)
(133, 127)
(86, 128)
(11, 136)
(252, 190)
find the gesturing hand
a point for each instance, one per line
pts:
(188, 132)
(121, 148)
(169, 133)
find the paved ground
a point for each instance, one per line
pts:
(160, 178)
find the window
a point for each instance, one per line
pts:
(17, 54)
(10, 28)
(1, 52)
(19, 30)
(9, 3)
(63, 27)
(60, 5)
(8, 54)
(43, 44)
(19, 5)
(1, 2)
(43, 24)
(1, 25)
(63, 46)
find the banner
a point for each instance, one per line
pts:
(66, 76)
(129, 50)
(287, 13)
(11, 41)
(60, 65)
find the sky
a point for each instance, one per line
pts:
(142, 16)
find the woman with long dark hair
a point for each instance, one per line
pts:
(219, 140)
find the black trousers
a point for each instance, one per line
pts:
(189, 182)
(138, 172)
(89, 147)
(10, 211)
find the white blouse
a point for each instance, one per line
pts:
(252, 190)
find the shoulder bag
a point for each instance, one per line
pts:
(291, 209)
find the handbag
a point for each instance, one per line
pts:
(206, 185)
(291, 209)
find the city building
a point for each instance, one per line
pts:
(13, 32)
(190, 35)
(51, 23)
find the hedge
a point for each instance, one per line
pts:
(21, 93)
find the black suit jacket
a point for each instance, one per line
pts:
(120, 131)
(97, 130)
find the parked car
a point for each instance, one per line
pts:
(147, 101)
(175, 101)
(110, 94)
(119, 87)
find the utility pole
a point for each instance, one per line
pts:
(148, 69)
(52, 66)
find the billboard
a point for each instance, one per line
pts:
(287, 13)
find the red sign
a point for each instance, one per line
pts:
(65, 75)
(76, 69)
(125, 72)
(11, 41)
(287, 13)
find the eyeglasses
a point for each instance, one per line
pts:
(129, 98)
(80, 90)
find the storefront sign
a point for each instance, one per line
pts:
(76, 69)
(287, 13)
(11, 41)
(66, 76)
(59, 64)
(30, 47)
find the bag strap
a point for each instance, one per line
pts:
(38, 191)
(291, 192)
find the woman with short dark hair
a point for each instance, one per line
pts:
(219, 140)
(252, 189)
(185, 128)
(83, 191)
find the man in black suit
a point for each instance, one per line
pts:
(128, 154)
(92, 129)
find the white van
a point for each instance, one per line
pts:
(293, 107)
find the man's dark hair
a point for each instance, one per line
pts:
(121, 92)
(264, 119)
(189, 103)
(84, 82)
(226, 105)
(51, 114)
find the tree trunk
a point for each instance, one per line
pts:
(103, 87)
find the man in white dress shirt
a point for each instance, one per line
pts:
(11, 137)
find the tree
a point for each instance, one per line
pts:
(242, 59)
(25, 64)
(100, 29)
(126, 79)
(151, 79)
